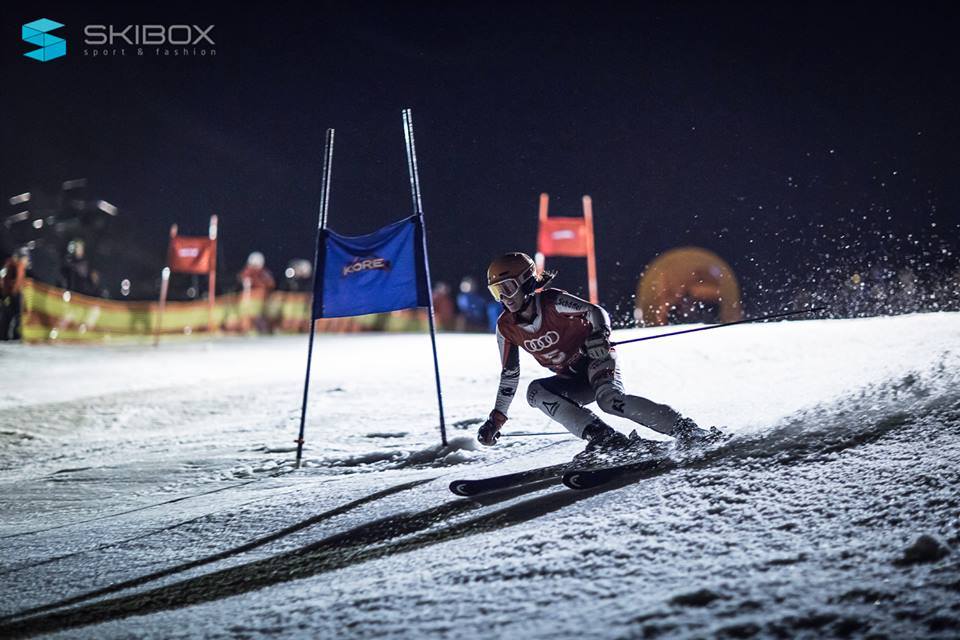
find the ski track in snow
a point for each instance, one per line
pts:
(143, 497)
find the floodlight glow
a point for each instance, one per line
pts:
(106, 207)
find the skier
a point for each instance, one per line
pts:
(571, 337)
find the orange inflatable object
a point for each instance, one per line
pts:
(687, 284)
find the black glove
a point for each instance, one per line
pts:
(597, 346)
(489, 431)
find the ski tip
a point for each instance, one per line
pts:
(574, 480)
(461, 488)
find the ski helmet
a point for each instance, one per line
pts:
(511, 278)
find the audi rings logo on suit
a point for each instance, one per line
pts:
(547, 340)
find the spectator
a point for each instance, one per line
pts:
(471, 306)
(11, 286)
(443, 308)
(255, 276)
(298, 275)
(257, 282)
(76, 274)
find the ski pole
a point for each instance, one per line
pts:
(718, 326)
(540, 433)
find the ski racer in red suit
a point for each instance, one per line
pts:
(571, 337)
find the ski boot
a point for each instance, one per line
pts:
(603, 443)
(687, 434)
(602, 436)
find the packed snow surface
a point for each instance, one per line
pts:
(151, 493)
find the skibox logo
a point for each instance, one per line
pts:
(365, 264)
(38, 33)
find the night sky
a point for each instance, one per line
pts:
(785, 137)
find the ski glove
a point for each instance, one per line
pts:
(489, 431)
(597, 346)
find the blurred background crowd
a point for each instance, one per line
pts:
(75, 241)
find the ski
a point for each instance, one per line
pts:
(586, 471)
(662, 460)
(589, 478)
(467, 488)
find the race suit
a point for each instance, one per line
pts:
(554, 337)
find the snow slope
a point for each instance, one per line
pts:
(150, 492)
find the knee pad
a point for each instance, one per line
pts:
(534, 390)
(611, 400)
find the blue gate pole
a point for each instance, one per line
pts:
(317, 268)
(418, 210)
